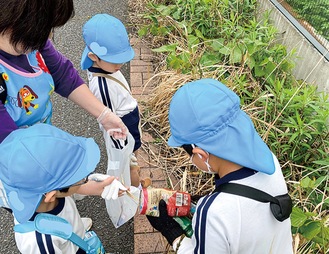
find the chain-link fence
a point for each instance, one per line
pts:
(312, 15)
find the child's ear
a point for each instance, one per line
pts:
(50, 196)
(92, 56)
(201, 153)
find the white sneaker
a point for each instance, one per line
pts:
(87, 223)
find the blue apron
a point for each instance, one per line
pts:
(28, 94)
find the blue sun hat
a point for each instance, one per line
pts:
(40, 159)
(106, 37)
(207, 113)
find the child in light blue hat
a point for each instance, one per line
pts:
(40, 168)
(207, 122)
(107, 49)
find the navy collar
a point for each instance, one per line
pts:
(235, 175)
(55, 211)
(98, 70)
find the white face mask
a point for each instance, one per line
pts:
(209, 167)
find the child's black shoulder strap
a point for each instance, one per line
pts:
(281, 206)
(246, 191)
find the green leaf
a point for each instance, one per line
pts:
(166, 48)
(217, 45)
(259, 72)
(236, 56)
(143, 31)
(310, 230)
(225, 50)
(307, 183)
(163, 9)
(192, 40)
(209, 59)
(199, 34)
(297, 217)
(251, 62)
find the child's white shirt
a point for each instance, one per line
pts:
(239, 225)
(121, 99)
(36, 243)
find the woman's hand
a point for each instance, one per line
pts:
(83, 97)
(112, 124)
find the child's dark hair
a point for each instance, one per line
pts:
(29, 22)
(64, 190)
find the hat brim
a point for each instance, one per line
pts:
(173, 143)
(120, 58)
(86, 62)
(22, 202)
(239, 143)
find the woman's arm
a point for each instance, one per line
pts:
(83, 97)
(66, 77)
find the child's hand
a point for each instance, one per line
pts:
(114, 190)
(95, 186)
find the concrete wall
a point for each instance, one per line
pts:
(311, 65)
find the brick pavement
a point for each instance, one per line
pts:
(146, 240)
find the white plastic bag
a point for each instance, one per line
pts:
(123, 208)
(119, 153)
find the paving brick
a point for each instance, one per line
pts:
(146, 57)
(137, 54)
(150, 243)
(156, 174)
(142, 225)
(146, 239)
(140, 62)
(160, 184)
(141, 68)
(147, 78)
(144, 161)
(146, 51)
(136, 80)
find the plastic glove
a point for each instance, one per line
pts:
(113, 124)
(112, 191)
(165, 224)
(133, 160)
